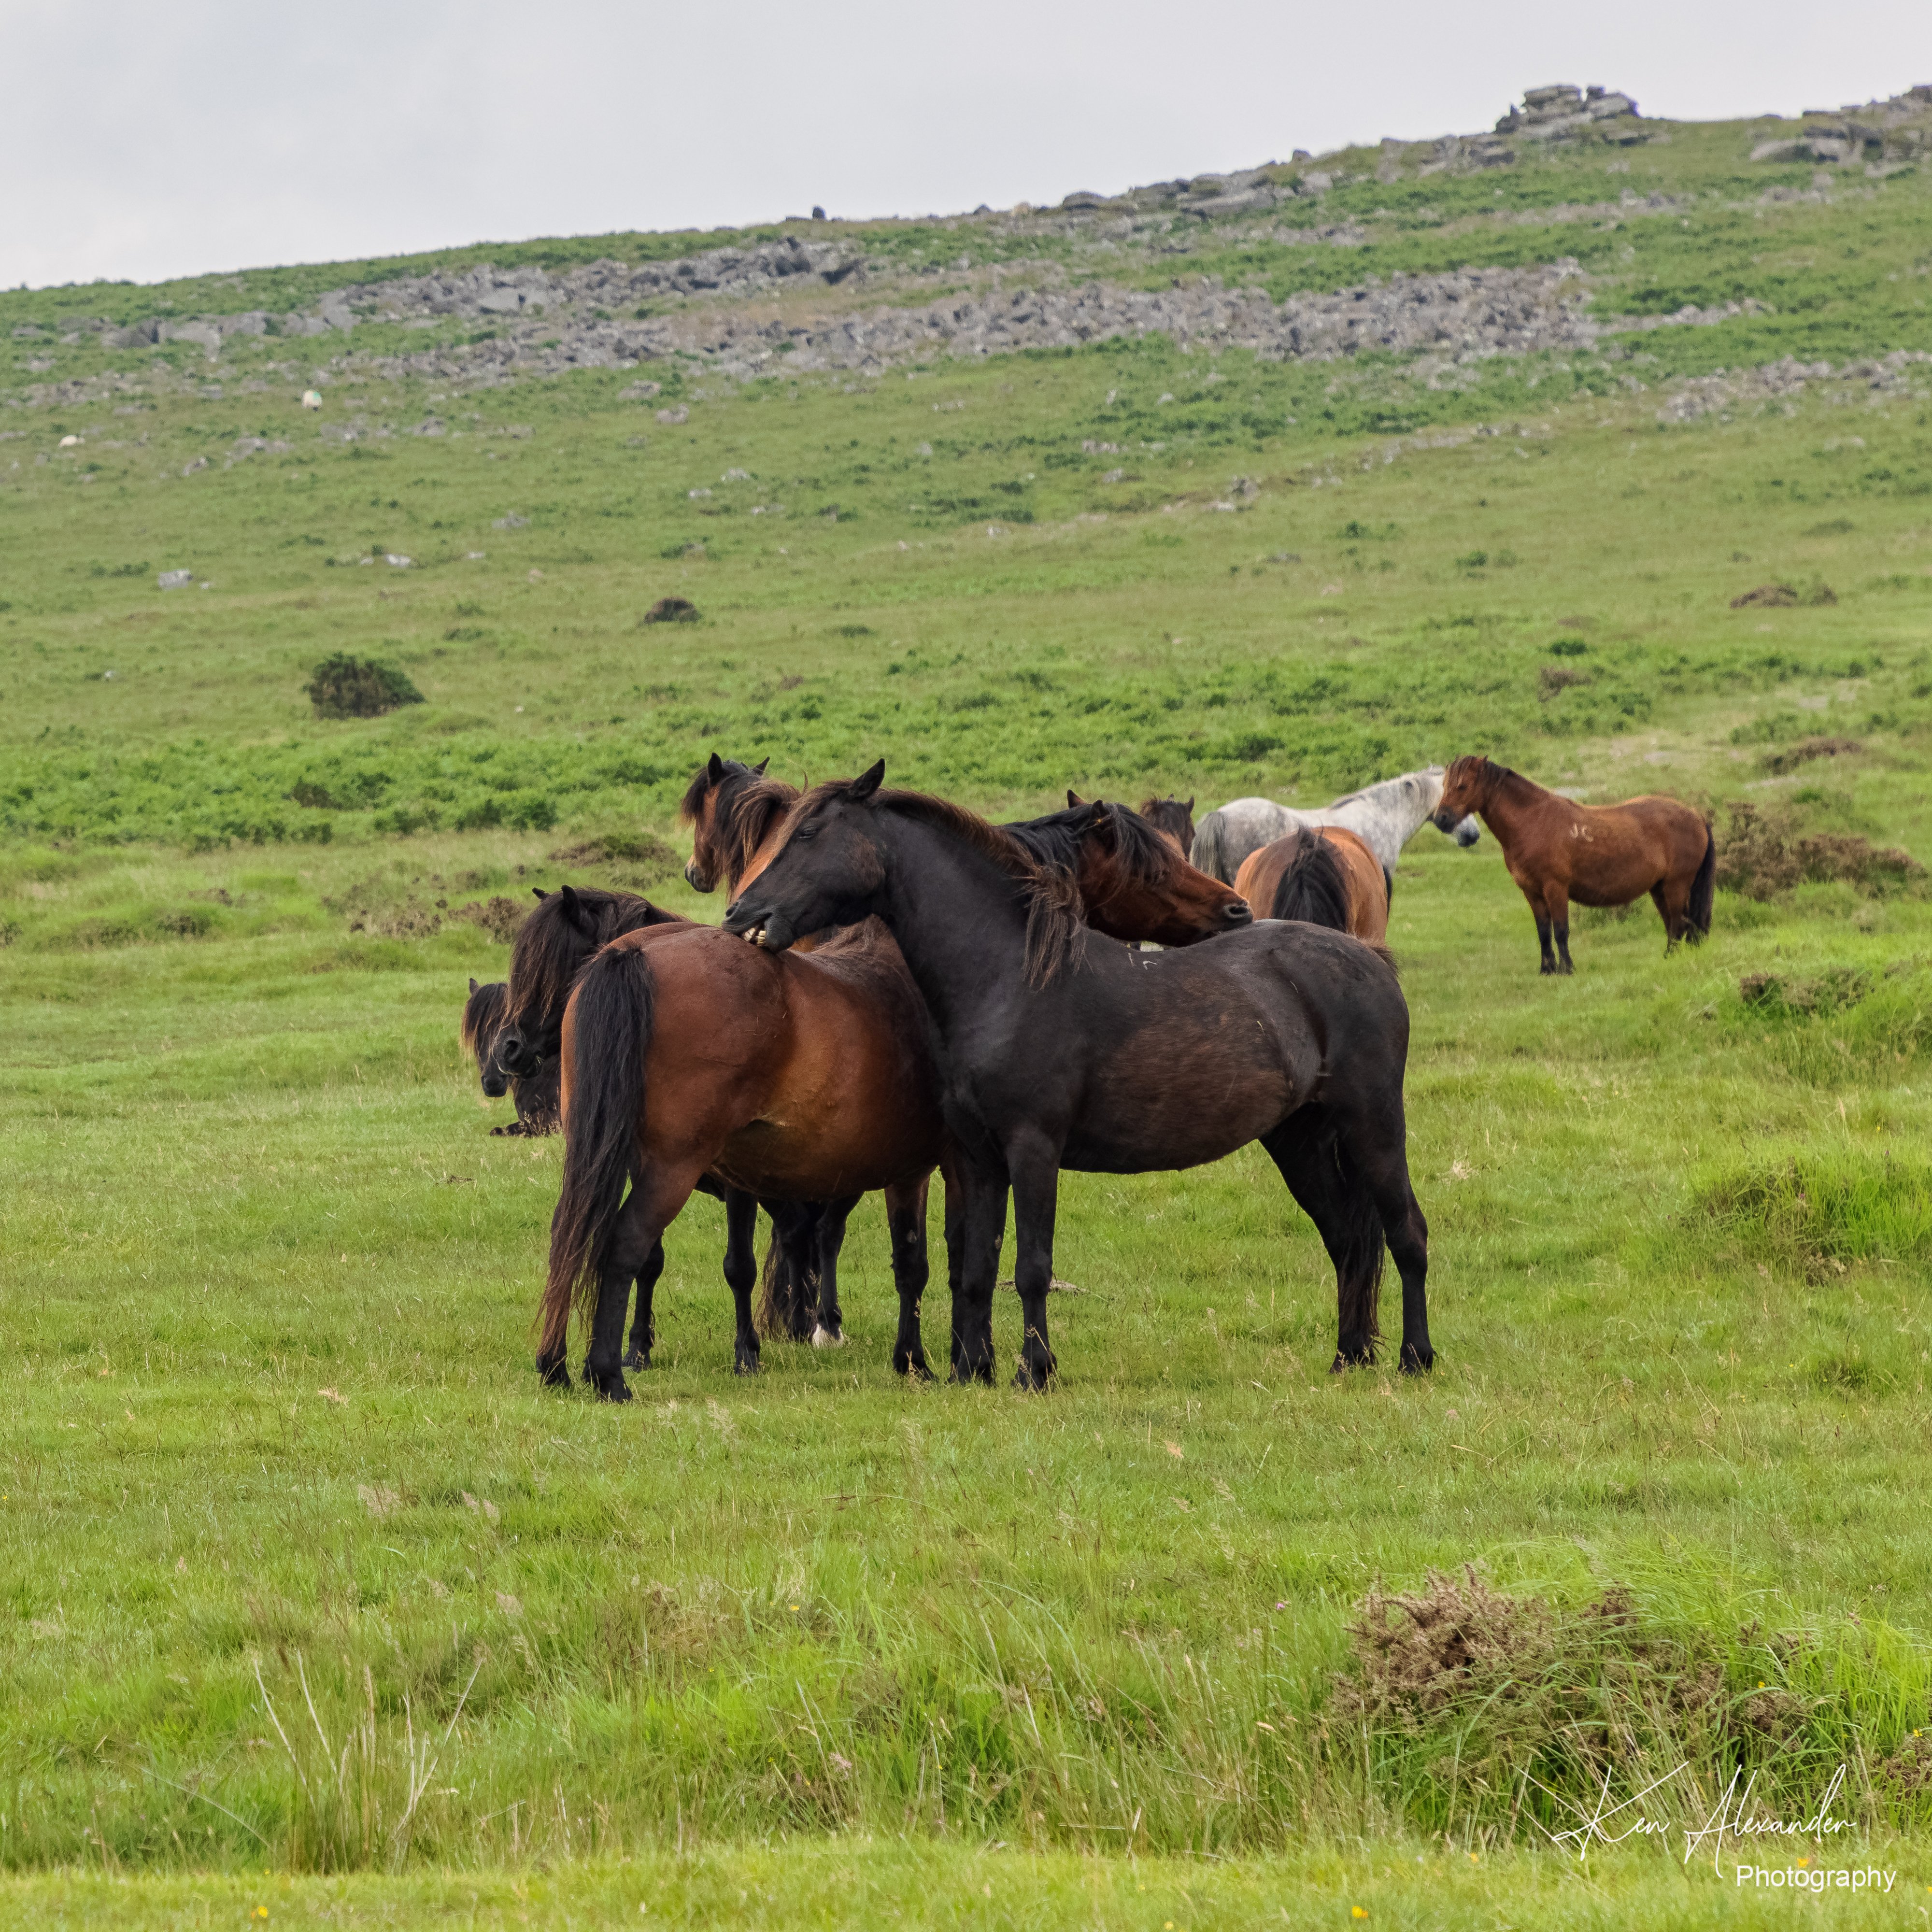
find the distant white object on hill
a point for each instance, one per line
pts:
(311, 399)
(175, 580)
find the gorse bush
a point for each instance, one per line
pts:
(343, 686)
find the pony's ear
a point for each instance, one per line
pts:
(1096, 814)
(573, 906)
(866, 783)
(472, 986)
(1188, 806)
(1073, 799)
(539, 892)
(759, 766)
(714, 770)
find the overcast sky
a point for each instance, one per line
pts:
(143, 141)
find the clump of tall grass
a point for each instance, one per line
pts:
(1825, 1205)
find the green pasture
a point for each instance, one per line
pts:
(312, 1603)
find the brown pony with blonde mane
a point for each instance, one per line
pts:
(1598, 855)
(1325, 875)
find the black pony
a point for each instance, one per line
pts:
(536, 1099)
(1061, 1048)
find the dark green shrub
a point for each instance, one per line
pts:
(342, 686)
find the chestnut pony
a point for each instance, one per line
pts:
(1282, 1033)
(1325, 875)
(1598, 855)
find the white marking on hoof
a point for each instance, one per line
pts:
(822, 1337)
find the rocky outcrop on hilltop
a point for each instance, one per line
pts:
(1882, 132)
(1552, 113)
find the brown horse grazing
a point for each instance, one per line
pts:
(1173, 818)
(686, 1053)
(1326, 876)
(1598, 855)
(535, 1099)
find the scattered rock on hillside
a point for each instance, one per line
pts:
(679, 414)
(672, 610)
(175, 579)
(1559, 112)
(1881, 134)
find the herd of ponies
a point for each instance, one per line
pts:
(1099, 989)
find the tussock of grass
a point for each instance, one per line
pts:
(1824, 1206)
(1485, 1715)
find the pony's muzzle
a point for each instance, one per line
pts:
(1237, 913)
(697, 881)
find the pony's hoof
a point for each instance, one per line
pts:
(822, 1337)
(1417, 1361)
(1031, 1378)
(551, 1369)
(914, 1366)
(611, 1388)
(965, 1374)
(1346, 1358)
(637, 1359)
(747, 1365)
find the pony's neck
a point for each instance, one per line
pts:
(961, 921)
(1510, 794)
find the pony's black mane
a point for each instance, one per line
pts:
(1054, 841)
(1056, 930)
(483, 1014)
(553, 942)
(1313, 887)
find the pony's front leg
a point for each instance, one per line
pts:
(828, 1329)
(1557, 898)
(643, 1330)
(1546, 962)
(982, 1228)
(905, 1221)
(741, 1272)
(1034, 1164)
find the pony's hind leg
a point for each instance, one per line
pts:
(1671, 899)
(1332, 1192)
(905, 1222)
(643, 1331)
(828, 1329)
(650, 1207)
(1377, 1151)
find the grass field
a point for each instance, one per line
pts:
(315, 1603)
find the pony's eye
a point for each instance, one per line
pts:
(805, 832)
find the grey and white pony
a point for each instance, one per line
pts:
(1385, 817)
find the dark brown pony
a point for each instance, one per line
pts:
(536, 1099)
(1324, 875)
(1173, 818)
(1598, 855)
(685, 1054)
(1283, 1033)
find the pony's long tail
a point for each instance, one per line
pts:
(1209, 854)
(1703, 890)
(608, 1033)
(1312, 888)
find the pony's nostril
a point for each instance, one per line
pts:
(1238, 912)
